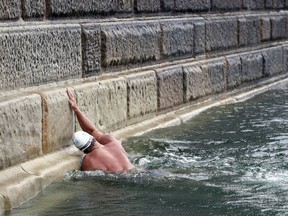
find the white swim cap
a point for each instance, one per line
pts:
(82, 140)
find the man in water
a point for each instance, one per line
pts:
(102, 152)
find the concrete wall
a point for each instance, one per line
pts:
(51, 9)
(39, 54)
(126, 61)
(20, 130)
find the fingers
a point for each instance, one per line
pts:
(71, 100)
(70, 94)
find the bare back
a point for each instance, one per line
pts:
(109, 157)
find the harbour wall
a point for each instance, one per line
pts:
(126, 62)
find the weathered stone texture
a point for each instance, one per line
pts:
(199, 37)
(275, 4)
(279, 4)
(9, 9)
(92, 7)
(285, 58)
(177, 38)
(17, 186)
(278, 27)
(125, 6)
(91, 49)
(221, 33)
(252, 65)
(33, 8)
(142, 96)
(104, 103)
(147, 5)
(2, 203)
(226, 5)
(130, 43)
(192, 5)
(234, 71)
(204, 78)
(265, 29)
(216, 71)
(170, 87)
(254, 4)
(57, 120)
(273, 60)
(269, 4)
(168, 5)
(196, 82)
(249, 30)
(35, 56)
(20, 130)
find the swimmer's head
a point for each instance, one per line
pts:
(82, 140)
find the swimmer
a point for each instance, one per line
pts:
(102, 152)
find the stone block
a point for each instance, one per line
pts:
(192, 5)
(168, 5)
(33, 8)
(226, 5)
(17, 186)
(104, 103)
(196, 82)
(273, 60)
(92, 7)
(177, 38)
(9, 9)
(38, 55)
(254, 4)
(51, 168)
(2, 203)
(147, 6)
(278, 27)
(269, 4)
(142, 96)
(170, 87)
(275, 4)
(279, 4)
(91, 49)
(125, 6)
(252, 65)
(249, 30)
(130, 43)
(199, 37)
(234, 71)
(221, 33)
(265, 29)
(20, 130)
(216, 72)
(285, 58)
(57, 120)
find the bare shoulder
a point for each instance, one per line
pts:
(84, 163)
(107, 139)
(87, 162)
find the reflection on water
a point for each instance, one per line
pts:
(229, 160)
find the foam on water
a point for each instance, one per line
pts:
(135, 175)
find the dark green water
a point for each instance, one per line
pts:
(229, 160)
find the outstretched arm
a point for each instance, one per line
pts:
(84, 122)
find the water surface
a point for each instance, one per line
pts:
(229, 160)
